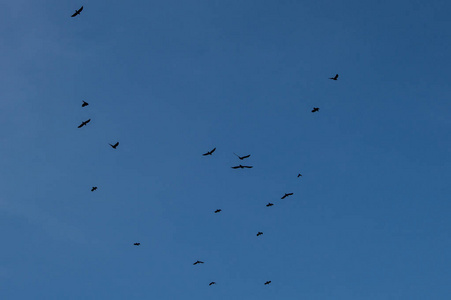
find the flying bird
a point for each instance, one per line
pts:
(286, 195)
(269, 204)
(267, 282)
(241, 167)
(84, 104)
(299, 175)
(84, 123)
(241, 157)
(93, 188)
(218, 210)
(315, 109)
(137, 244)
(210, 152)
(259, 233)
(334, 78)
(77, 12)
(211, 283)
(115, 145)
(198, 262)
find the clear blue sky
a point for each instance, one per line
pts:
(170, 80)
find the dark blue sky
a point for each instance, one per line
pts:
(170, 80)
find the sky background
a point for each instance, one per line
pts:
(170, 80)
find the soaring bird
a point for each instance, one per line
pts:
(241, 167)
(334, 78)
(198, 262)
(218, 210)
(115, 145)
(315, 109)
(268, 282)
(84, 123)
(259, 233)
(210, 152)
(77, 12)
(269, 204)
(137, 244)
(84, 104)
(211, 283)
(241, 157)
(93, 188)
(286, 195)
(299, 175)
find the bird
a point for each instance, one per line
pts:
(84, 123)
(210, 152)
(211, 283)
(77, 12)
(241, 167)
(334, 78)
(267, 282)
(137, 244)
(218, 210)
(299, 175)
(315, 109)
(198, 262)
(259, 233)
(84, 104)
(115, 145)
(93, 188)
(286, 195)
(241, 157)
(269, 204)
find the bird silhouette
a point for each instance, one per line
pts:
(269, 204)
(315, 109)
(84, 123)
(241, 157)
(198, 262)
(334, 78)
(211, 283)
(259, 233)
(286, 195)
(210, 152)
(115, 145)
(241, 167)
(267, 282)
(299, 175)
(137, 244)
(84, 104)
(218, 210)
(77, 12)
(93, 188)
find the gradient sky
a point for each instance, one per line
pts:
(170, 80)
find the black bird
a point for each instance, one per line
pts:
(269, 204)
(286, 195)
(84, 104)
(241, 157)
(299, 175)
(315, 109)
(241, 167)
(259, 233)
(115, 145)
(93, 188)
(210, 152)
(198, 262)
(137, 244)
(211, 283)
(77, 12)
(84, 123)
(334, 78)
(218, 210)
(267, 282)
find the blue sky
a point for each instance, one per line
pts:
(369, 219)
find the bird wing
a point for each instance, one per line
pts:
(336, 76)
(245, 156)
(117, 144)
(289, 194)
(249, 167)
(236, 167)
(76, 13)
(87, 121)
(81, 8)
(214, 149)
(283, 197)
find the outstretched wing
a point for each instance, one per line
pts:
(289, 194)
(76, 13)
(249, 167)
(236, 167)
(243, 157)
(214, 149)
(284, 196)
(81, 8)
(336, 77)
(117, 144)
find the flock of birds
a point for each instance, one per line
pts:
(94, 188)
